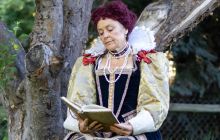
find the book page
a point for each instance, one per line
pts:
(95, 108)
(93, 113)
(74, 107)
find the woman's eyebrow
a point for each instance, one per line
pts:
(99, 29)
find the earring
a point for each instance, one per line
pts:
(126, 34)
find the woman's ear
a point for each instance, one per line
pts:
(126, 31)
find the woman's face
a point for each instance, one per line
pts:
(112, 33)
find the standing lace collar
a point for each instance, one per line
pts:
(141, 38)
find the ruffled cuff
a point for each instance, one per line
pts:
(142, 123)
(71, 124)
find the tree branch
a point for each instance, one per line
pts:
(171, 19)
(14, 100)
(13, 47)
(183, 17)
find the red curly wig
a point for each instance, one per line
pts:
(115, 10)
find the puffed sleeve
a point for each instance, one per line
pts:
(153, 96)
(81, 89)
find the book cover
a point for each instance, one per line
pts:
(93, 112)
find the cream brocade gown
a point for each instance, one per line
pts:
(144, 87)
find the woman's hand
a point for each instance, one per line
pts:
(122, 129)
(85, 127)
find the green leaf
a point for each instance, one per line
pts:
(16, 46)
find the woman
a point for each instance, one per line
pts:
(123, 73)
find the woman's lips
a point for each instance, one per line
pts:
(108, 43)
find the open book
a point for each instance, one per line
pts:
(93, 113)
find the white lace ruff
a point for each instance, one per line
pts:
(140, 38)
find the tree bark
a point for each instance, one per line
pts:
(75, 34)
(183, 17)
(58, 38)
(42, 83)
(11, 94)
(56, 41)
(171, 19)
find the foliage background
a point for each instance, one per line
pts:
(18, 15)
(197, 63)
(195, 57)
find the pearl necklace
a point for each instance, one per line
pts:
(108, 65)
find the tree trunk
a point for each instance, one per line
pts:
(56, 41)
(59, 35)
(42, 83)
(53, 51)
(75, 34)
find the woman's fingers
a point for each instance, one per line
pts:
(98, 127)
(91, 125)
(85, 127)
(118, 131)
(124, 126)
(123, 129)
(95, 126)
(86, 122)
